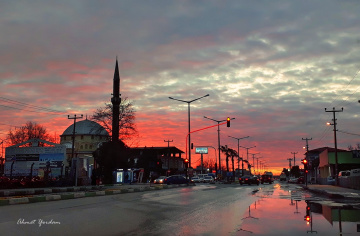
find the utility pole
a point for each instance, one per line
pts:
(307, 150)
(218, 121)
(289, 159)
(307, 144)
(73, 145)
(257, 159)
(168, 141)
(2, 159)
(294, 156)
(335, 141)
(242, 160)
(247, 152)
(254, 160)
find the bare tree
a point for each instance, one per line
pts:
(351, 148)
(30, 130)
(127, 125)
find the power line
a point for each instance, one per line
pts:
(31, 108)
(342, 92)
(348, 133)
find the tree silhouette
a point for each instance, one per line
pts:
(127, 127)
(30, 130)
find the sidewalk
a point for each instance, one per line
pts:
(24, 196)
(332, 191)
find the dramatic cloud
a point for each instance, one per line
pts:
(272, 65)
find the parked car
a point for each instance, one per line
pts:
(301, 180)
(202, 176)
(293, 180)
(267, 178)
(160, 180)
(176, 179)
(330, 180)
(344, 174)
(196, 179)
(283, 177)
(208, 179)
(355, 172)
(247, 179)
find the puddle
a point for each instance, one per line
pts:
(283, 212)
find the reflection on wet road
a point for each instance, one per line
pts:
(289, 210)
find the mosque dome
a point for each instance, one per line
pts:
(86, 127)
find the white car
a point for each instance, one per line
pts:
(208, 179)
(196, 179)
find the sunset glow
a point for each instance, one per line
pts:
(273, 68)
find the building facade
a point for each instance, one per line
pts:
(88, 136)
(35, 157)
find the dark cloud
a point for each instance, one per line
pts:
(274, 66)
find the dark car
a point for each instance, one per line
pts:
(176, 179)
(301, 180)
(267, 179)
(160, 180)
(247, 179)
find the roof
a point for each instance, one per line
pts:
(35, 143)
(86, 127)
(319, 150)
(172, 149)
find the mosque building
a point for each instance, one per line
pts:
(89, 135)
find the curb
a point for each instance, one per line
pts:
(65, 194)
(325, 193)
(22, 192)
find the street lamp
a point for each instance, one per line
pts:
(218, 121)
(188, 102)
(335, 141)
(254, 159)
(257, 159)
(336, 157)
(247, 152)
(242, 161)
(2, 159)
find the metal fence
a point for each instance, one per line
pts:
(350, 182)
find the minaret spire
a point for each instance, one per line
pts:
(116, 100)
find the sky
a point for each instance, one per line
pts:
(274, 66)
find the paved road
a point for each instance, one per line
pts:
(204, 209)
(181, 211)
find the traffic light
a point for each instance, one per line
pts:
(186, 162)
(192, 145)
(305, 162)
(159, 164)
(228, 122)
(307, 217)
